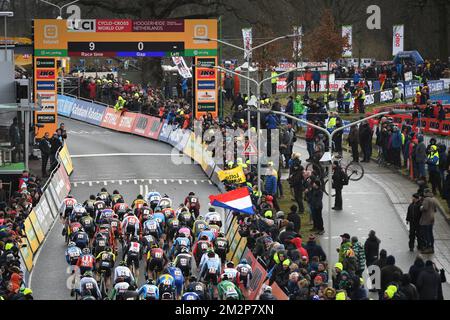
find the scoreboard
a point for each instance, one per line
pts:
(54, 39)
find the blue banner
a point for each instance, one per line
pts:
(65, 105)
(87, 111)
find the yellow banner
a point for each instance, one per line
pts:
(27, 255)
(31, 236)
(67, 161)
(235, 175)
(36, 226)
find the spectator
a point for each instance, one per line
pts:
(371, 248)
(428, 209)
(15, 139)
(429, 283)
(416, 269)
(389, 273)
(294, 217)
(46, 151)
(413, 219)
(316, 78)
(56, 144)
(353, 141)
(340, 179)
(420, 156)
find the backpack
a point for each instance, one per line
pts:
(344, 179)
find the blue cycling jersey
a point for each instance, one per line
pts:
(72, 252)
(166, 280)
(180, 242)
(149, 291)
(153, 226)
(160, 217)
(211, 236)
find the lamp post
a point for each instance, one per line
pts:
(59, 7)
(328, 158)
(258, 88)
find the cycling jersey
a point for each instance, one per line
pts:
(121, 209)
(169, 213)
(119, 290)
(149, 292)
(115, 198)
(232, 275)
(200, 248)
(161, 218)
(229, 291)
(105, 214)
(72, 255)
(89, 206)
(213, 217)
(130, 225)
(199, 226)
(177, 274)
(153, 228)
(86, 262)
(178, 244)
(245, 274)
(199, 288)
(185, 231)
(210, 269)
(67, 206)
(81, 239)
(210, 234)
(89, 287)
(184, 262)
(106, 260)
(124, 273)
(105, 196)
(147, 242)
(165, 281)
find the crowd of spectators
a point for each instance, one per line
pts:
(13, 212)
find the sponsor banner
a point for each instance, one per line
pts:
(206, 74)
(45, 63)
(165, 132)
(126, 122)
(43, 215)
(53, 195)
(46, 118)
(46, 85)
(347, 31)
(206, 62)
(206, 85)
(298, 32)
(31, 235)
(278, 293)
(111, 119)
(239, 251)
(259, 275)
(48, 107)
(370, 99)
(66, 159)
(87, 111)
(81, 25)
(27, 255)
(160, 26)
(229, 220)
(182, 67)
(65, 105)
(36, 226)
(154, 128)
(301, 85)
(206, 107)
(141, 124)
(61, 185)
(386, 96)
(206, 96)
(207, 163)
(51, 203)
(45, 74)
(114, 25)
(47, 97)
(178, 138)
(248, 41)
(397, 39)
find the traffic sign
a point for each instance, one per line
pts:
(250, 149)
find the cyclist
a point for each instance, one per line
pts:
(77, 213)
(105, 215)
(180, 242)
(156, 260)
(231, 273)
(139, 202)
(193, 204)
(105, 263)
(228, 290)
(200, 248)
(184, 261)
(221, 246)
(105, 196)
(173, 224)
(89, 287)
(198, 287)
(145, 213)
(208, 233)
(123, 291)
(86, 262)
(123, 273)
(165, 202)
(167, 288)
(210, 268)
(116, 231)
(159, 216)
(177, 275)
(88, 224)
(213, 217)
(147, 242)
(99, 205)
(185, 217)
(71, 229)
(149, 291)
(169, 213)
(153, 199)
(80, 238)
(245, 273)
(130, 225)
(89, 205)
(120, 208)
(67, 206)
(115, 197)
(101, 241)
(153, 228)
(72, 253)
(132, 254)
(199, 225)
(190, 296)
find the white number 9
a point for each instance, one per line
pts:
(91, 46)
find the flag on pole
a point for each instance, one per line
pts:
(397, 39)
(298, 32)
(248, 41)
(347, 31)
(237, 200)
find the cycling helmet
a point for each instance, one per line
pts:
(170, 264)
(120, 200)
(88, 274)
(85, 213)
(135, 239)
(116, 192)
(184, 250)
(86, 251)
(244, 261)
(108, 249)
(268, 289)
(191, 193)
(103, 190)
(154, 245)
(71, 244)
(211, 254)
(91, 197)
(211, 209)
(150, 281)
(230, 264)
(123, 263)
(140, 197)
(220, 235)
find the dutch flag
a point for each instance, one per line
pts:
(236, 200)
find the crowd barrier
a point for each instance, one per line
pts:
(184, 140)
(41, 218)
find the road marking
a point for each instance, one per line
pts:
(75, 184)
(100, 155)
(146, 189)
(105, 183)
(135, 181)
(171, 180)
(120, 182)
(165, 181)
(141, 189)
(180, 182)
(210, 182)
(186, 180)
(90, 183)
(150, 181)
(195, 181)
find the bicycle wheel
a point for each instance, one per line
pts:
(354, 171)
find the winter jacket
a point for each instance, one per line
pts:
(387, 275)
(428, 284)
(271, 122)
(414, 214)
(270, 185)
(415, 270)
(315, 250)
(298, 244)
(372, 249)
(296, 220)
(344, 247)
(409, 291)
(421, 153)
(429, 207)
(316, 198)
(396, 140)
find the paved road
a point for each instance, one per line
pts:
(368, 205)
(121, 169)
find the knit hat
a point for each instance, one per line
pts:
(339, 266)
(391, 291)
(390, 261)
(341, 296)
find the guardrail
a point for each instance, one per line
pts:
(185, 141)
(42, 217)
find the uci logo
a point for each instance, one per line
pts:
(79, 25)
